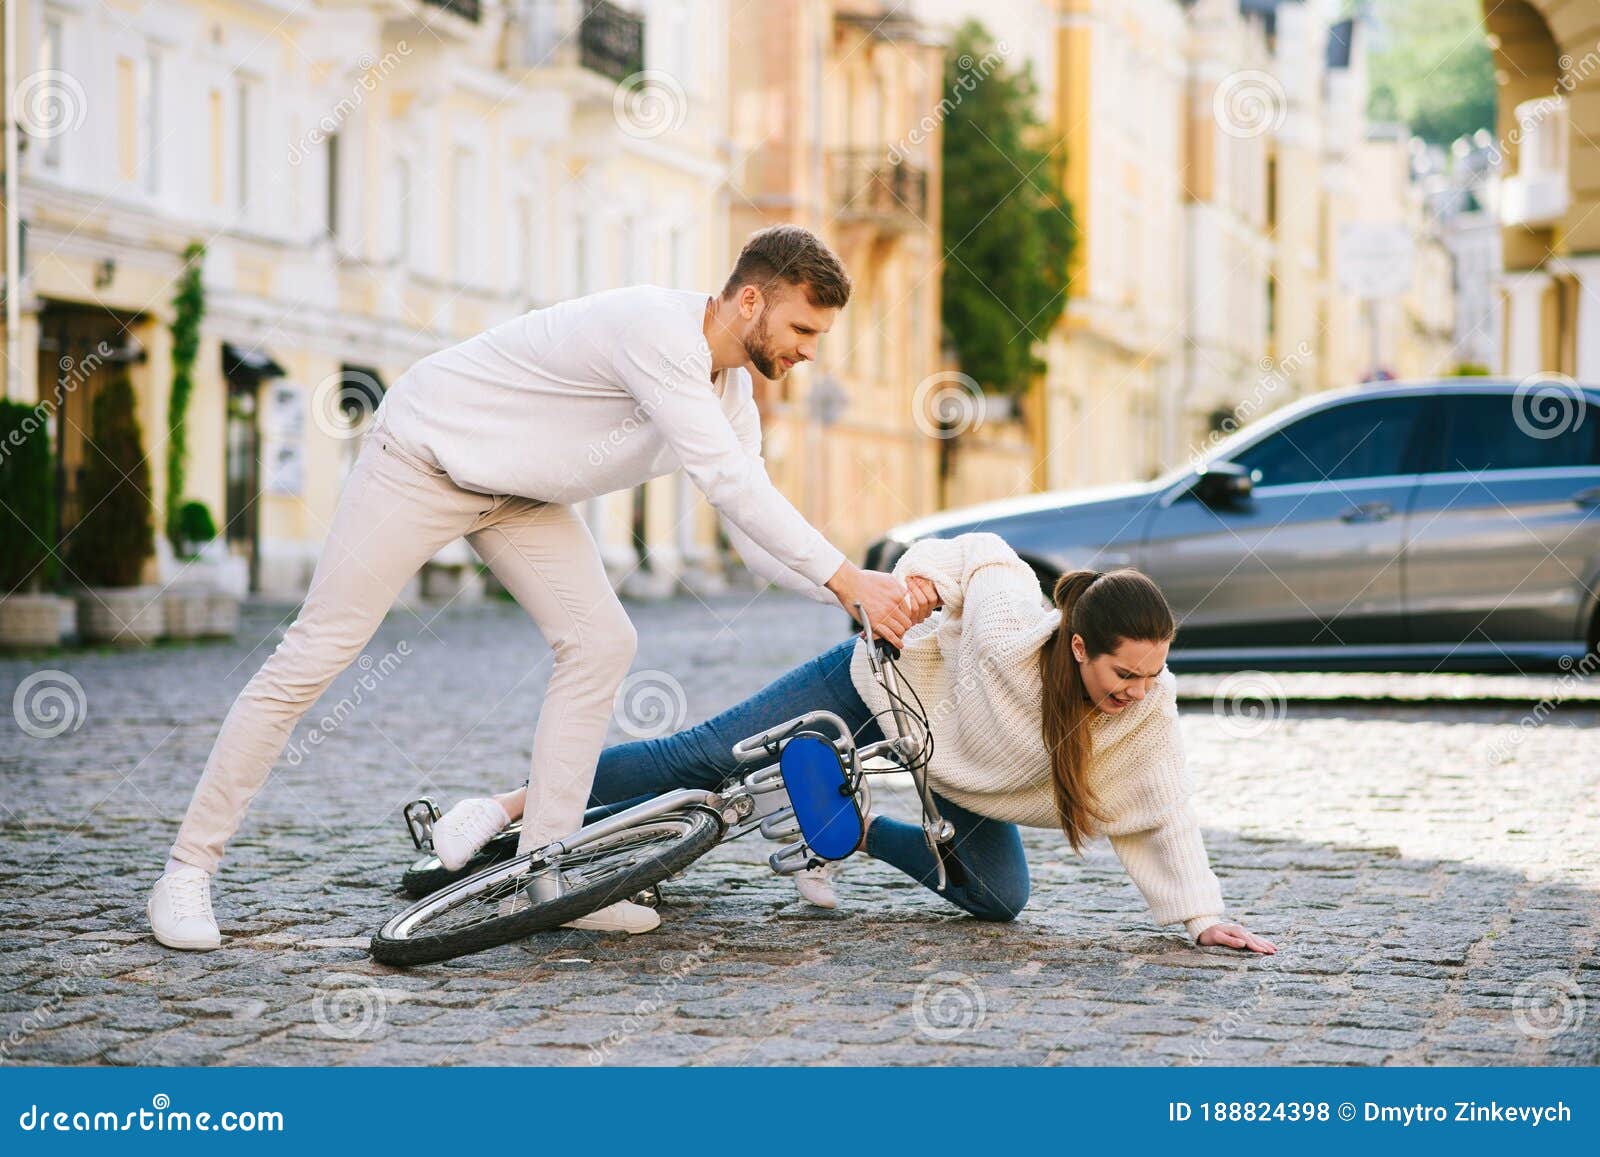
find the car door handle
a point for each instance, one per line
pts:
(1367, 512)
(1589, 497)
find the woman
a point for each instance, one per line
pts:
(1059, 716)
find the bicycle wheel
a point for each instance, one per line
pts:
(428, 875)
(493, 908)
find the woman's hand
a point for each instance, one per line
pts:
(1235, 936)
(922, 598)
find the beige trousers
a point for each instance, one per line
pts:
(397, 509)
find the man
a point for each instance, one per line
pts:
(495, 439)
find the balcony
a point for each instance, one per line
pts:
(466, 9)
(868, 186)
(1539, 193)
(599, 37)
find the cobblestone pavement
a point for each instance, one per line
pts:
(1430, 872)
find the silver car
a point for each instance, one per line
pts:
(1439, 525)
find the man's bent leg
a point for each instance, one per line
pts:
(545, 556)
(391, 518)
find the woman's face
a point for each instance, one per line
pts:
(1121, 676)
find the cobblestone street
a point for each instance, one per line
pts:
(1430, 872)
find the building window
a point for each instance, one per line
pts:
(150, 103)
(629, 244)
(137, 124)
(400, 240)
(217, 143)
(678, 256)
(50, 61)
(464, 193)
(522, 252)
(581, 257)
(332, 192)
(127, 119)
(242, 174)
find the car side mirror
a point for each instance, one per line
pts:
(1224, 485)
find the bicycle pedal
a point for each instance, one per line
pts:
(647, 898)
(419, 816)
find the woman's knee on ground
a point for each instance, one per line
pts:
(998, 904)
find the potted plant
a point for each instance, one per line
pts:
(28, 617)
(187, 600)
(114, 539)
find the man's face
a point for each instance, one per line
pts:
(783, 332)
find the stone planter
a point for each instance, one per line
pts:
(442, 582)
(187, 611)
(222, 615)
(125, 616)
(30, 621)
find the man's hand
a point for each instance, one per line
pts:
(883, 597)
(923, 598)
(1234, 936)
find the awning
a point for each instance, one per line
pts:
(244, 362)
(360, 387)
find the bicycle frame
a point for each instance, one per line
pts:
(758, 800)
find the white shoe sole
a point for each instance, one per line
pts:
(584, 924)
(174, 942)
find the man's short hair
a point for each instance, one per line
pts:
(781, 256)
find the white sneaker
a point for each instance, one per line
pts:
(623, 916)
(180, 910)
(465, 828)
(816, 887)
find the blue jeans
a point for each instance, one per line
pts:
(996, 884)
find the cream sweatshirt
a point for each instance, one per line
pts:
(602, 393)
(975, 664)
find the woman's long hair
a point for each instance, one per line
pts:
(1105, 609)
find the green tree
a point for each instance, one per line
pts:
(1431, 68)
(109, 545)
(1008, 227)
(188, 307)
(27, 499)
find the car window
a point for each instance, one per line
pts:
(1484, 432)
(1353, 440)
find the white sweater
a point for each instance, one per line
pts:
(602, 393)
(975, 665)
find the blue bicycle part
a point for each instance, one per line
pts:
(820, 792)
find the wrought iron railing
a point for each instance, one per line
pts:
(466, 9)
(868, 183)
(610, 40)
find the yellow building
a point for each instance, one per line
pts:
(1117, 354)
(1547, 68)
(829, 133)
(372, 179)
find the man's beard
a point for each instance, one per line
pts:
(758, 348)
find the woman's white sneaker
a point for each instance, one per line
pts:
(465, 828)
(623, 916)
(180, 910)
(815, 886)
